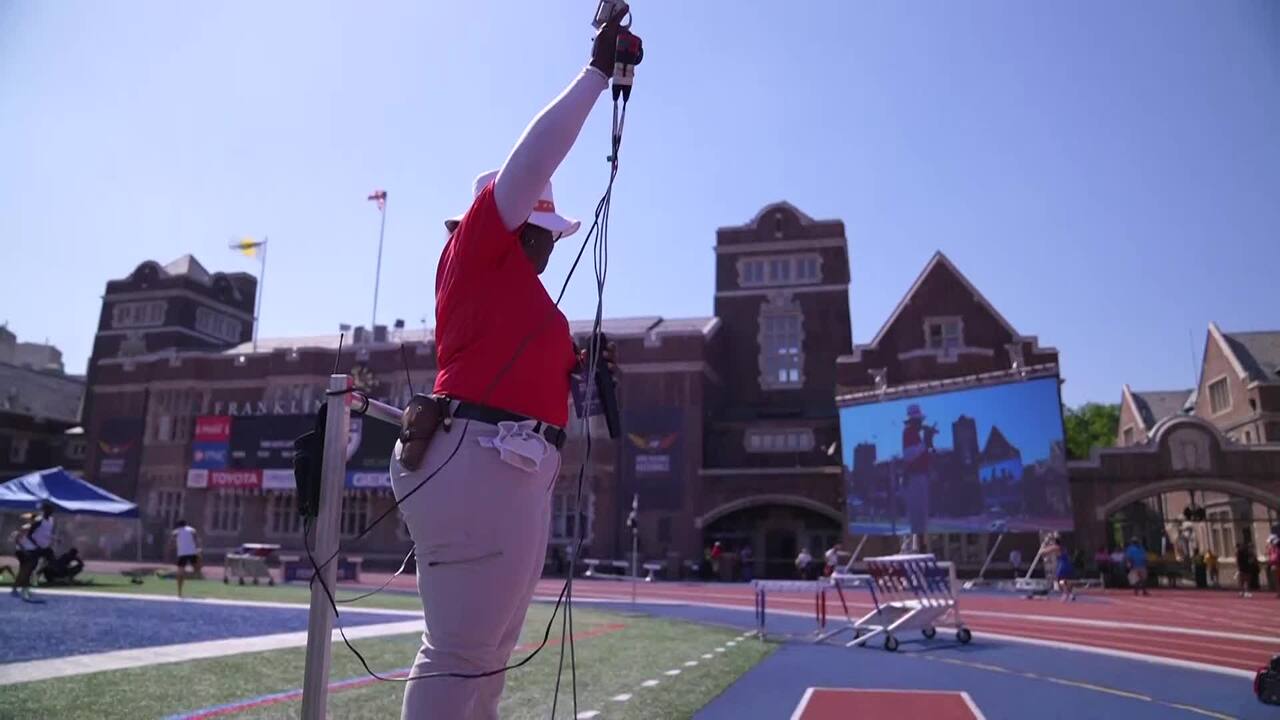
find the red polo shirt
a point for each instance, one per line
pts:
(490, 308)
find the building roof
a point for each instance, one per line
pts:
(188, 265)
(1258, 353)
(614, 327)
(39, 394)
(1156, 405)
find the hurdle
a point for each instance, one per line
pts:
(909, 592)
(815, 587)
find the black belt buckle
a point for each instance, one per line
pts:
(554, 435)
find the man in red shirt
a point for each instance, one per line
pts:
(478, 505)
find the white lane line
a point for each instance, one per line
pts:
(32, 670)
(672, 673)
(707, 656)
(588, 714)
(621, 698)
(649, 683)
(731, 643)
(219, 601)
(691, 663)
(719, 649)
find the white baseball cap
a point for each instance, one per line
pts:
(544, 213)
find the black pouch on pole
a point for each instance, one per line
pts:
(308, 466)
(421, 419)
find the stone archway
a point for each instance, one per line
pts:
(1185, 453)
(775, 527)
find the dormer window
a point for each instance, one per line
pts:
(944, 335)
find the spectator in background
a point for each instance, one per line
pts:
(748, 564)
(1245, 567)
(1273, 562)
(1066, 575)
(1102, 559)
(187, 545)
(1136, 560)
(1211, 568)
(35, 543)
(64, 569)
(832, 558)
(717, 551)
(803, 560)
(1015, 559)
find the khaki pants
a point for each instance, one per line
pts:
(480, 527)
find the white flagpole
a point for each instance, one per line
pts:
(377, 277)
(257, 306)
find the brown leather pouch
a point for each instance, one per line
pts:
(424, 415)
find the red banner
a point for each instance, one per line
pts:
(235, 479)
(213, 428)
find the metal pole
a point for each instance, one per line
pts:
(996, 546)
(139, 537)
(257, 306)
(377, 277)
(635, 544)
(315, 680)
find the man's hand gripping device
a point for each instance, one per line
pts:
(597, 395)
(629, 49)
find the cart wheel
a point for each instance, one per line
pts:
(271, 582)
(929, 632)
(890, 643)
(225, 580)
(255, 581)
(964, 636)
(241, 581)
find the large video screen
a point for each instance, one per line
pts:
(984, 459)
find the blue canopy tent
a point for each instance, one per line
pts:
(68, 494)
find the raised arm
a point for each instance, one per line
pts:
(547, 140)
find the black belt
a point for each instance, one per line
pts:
(482, 413)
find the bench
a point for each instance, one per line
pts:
(653, 567)
(297, 568)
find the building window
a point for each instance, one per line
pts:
(166, 506)
(282, 514)
(781, 344)
(225, 509)
(1273, 433)
(138, 314)
(216, 324)
(172, 414)
(1219, 396)
(770, 270)
(1248, 437)
(355, 514)
(1127, 434)
(944, 335)
(18, 449)
(76, 450)
(779, 441)
(567, 518)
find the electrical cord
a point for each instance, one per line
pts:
(598, 230)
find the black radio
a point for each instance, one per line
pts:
(597, 395)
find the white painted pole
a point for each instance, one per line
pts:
(315, 681)
(987, 563)
(635, 545)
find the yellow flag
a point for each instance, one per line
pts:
(247, 246)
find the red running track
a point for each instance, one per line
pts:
(1214, 628)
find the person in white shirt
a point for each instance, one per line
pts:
(35, 542)
(802, 563)
(186, 542)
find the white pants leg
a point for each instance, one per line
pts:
(480, 528)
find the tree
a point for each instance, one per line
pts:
(1088, 426)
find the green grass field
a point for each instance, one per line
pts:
(616, 653)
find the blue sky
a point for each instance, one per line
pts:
(1105, 172)
(1026, 412)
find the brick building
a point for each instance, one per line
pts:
(730, 428)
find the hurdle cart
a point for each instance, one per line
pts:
(909, 592)
(250, 561)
